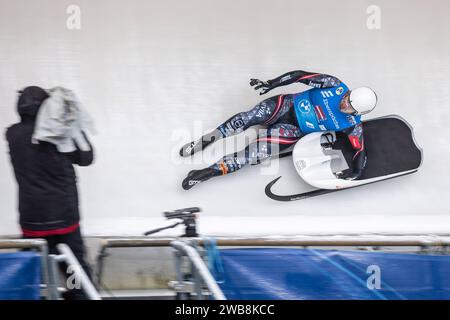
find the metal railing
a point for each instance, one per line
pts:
(301, 241)
(37, 244)
(49, 265)
(200, 270)
(373, 241)
(69, 258)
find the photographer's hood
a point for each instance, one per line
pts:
(30, 100)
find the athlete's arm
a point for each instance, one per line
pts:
(316, 80)
(355, 135)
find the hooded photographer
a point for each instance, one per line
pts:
(44, 146)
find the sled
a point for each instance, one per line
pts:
(318, 157)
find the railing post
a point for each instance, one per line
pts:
(86, 284)
(201, 268)
(53, 277)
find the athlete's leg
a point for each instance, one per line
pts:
(266, 112)
(274, 140)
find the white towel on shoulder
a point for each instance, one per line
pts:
(61, 120)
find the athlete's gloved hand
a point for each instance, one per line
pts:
(347, 175)
(258, 84)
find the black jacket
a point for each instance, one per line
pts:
(48, 197)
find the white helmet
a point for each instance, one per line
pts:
(363, 100)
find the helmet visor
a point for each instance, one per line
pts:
(346, 106)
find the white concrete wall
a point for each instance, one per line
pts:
(150, 70)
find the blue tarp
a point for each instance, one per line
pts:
(278, 273)
(20, 276)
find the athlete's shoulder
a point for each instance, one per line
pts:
(341, 83)
(330, 92)
(333, 82)
(343, 87)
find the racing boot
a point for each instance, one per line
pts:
(198, 145)
(196, 176)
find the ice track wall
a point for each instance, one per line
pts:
(154, 74)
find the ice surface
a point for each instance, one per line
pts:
(154, 74)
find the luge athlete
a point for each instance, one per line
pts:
(329, 105)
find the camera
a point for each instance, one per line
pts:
(187, 217)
